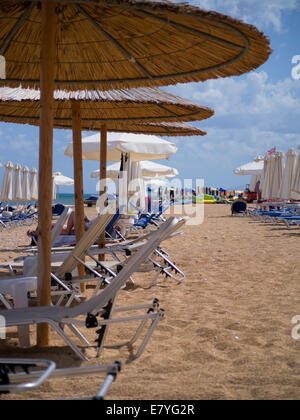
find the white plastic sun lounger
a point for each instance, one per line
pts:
(103, 304)
(55, 232)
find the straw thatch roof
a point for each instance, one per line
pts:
(111, 44)
(111, 107)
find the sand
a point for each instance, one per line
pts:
(227, 327)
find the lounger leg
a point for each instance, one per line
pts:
(140, 350)
(79, 334)
(5, 302)
(68, 341)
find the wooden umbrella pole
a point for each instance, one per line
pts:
(78, 178)
(103, 163)
(47, 75)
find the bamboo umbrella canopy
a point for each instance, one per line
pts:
(113, 108)
(111, 44)
(123, 110)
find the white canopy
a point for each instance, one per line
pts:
(61, 180)
(269, 161)
(6, 193)
(139, 146)
(288, 175)
(255, 167)
(277, 175)
(155, 183)
(296, 180)
(17, 187)
(33, 184)
(26, 196)
(149, 169)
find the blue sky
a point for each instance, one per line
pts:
(253, 112)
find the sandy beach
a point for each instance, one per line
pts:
(227, 328)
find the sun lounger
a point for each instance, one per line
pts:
(159, 260)
(20, 375)
(102, 305)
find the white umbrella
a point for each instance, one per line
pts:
(268, 173)
(139, 146)
(60, 180)
(155, 183)
(277, 175)
(288, 175)
(296, 180)
(26, 196)
(148, 168)
(255, 167)
(33, 184)
(17, 187)
(6, 188)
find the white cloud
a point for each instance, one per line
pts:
(263, 13)
(248, 100)
(252, 115)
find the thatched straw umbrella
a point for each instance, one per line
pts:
(113, 44)
(101, 107)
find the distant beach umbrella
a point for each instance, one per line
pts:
(255, 167)
(26, 196)
(277, 175)
(61, 180)
(33, 184)
(138, 146)
(288, 175)
(6, 193)
(17, 187)
(148, 168)
(296, 180)
(269, 161)
(155, 183)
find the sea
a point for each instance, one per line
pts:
(66, 199)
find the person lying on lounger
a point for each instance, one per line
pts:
(68, 229)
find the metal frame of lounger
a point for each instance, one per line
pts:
(167, 268)
(75, 257)
(58, 317)
(13, 381)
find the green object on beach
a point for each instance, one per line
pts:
(206, 198)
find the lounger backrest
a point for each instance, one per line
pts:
(30, 263)
(59, 224)
(130, 267)
(85, 243)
